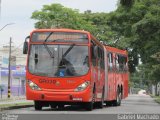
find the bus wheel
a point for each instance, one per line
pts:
(53, 106)
(38, 105)
(117, 102)
(109, 103)
(89, 106)
(61, 106)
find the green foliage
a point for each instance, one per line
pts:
(58, 16)
(126, 3)
(138, 26)
(157, 99)
(100, 20)
(155, 73)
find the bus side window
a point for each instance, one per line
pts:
(110, 61)
(122, 60)
(101, 57)
(102, 64)
(93, 55)
(125, 64)
(117, 63)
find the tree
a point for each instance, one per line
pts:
(127, 3)
(58, 16)
(137, 27)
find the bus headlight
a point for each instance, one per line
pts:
(82, 87)
(33, 86)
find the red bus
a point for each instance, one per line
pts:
(116, 77)
(67, 67)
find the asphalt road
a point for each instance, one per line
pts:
(134, 104)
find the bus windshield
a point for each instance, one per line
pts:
(68, 60)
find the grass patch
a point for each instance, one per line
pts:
(156, 98)
(15, 105)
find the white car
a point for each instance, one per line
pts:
(142, 92)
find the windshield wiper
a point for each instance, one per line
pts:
(48, 37)
(62, 61)
(47, 48)
(68, 50)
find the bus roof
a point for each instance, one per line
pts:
(116, 50)
(60, 30)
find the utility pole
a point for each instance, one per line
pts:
(9, 70)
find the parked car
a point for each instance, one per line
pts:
(142, 92)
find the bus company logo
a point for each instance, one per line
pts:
(57, 83)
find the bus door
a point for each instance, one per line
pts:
(100, 72)
(114, 79)
(94, 60)
(118, 74)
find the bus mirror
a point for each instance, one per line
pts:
(25, 46)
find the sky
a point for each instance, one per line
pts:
(18, 13)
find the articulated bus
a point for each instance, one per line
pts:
(71, 67)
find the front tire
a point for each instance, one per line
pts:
(89, 106)
(53, 106)
(38, 105)
(109, 103)
(60, 106)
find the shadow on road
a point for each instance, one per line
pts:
(71, 108)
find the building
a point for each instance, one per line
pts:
(17, 78)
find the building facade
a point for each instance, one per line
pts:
(17, 74)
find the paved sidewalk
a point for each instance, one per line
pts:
(5, 98)
(13, 100)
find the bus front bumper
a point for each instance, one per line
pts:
(83, 96)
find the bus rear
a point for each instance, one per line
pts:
(58, 68)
